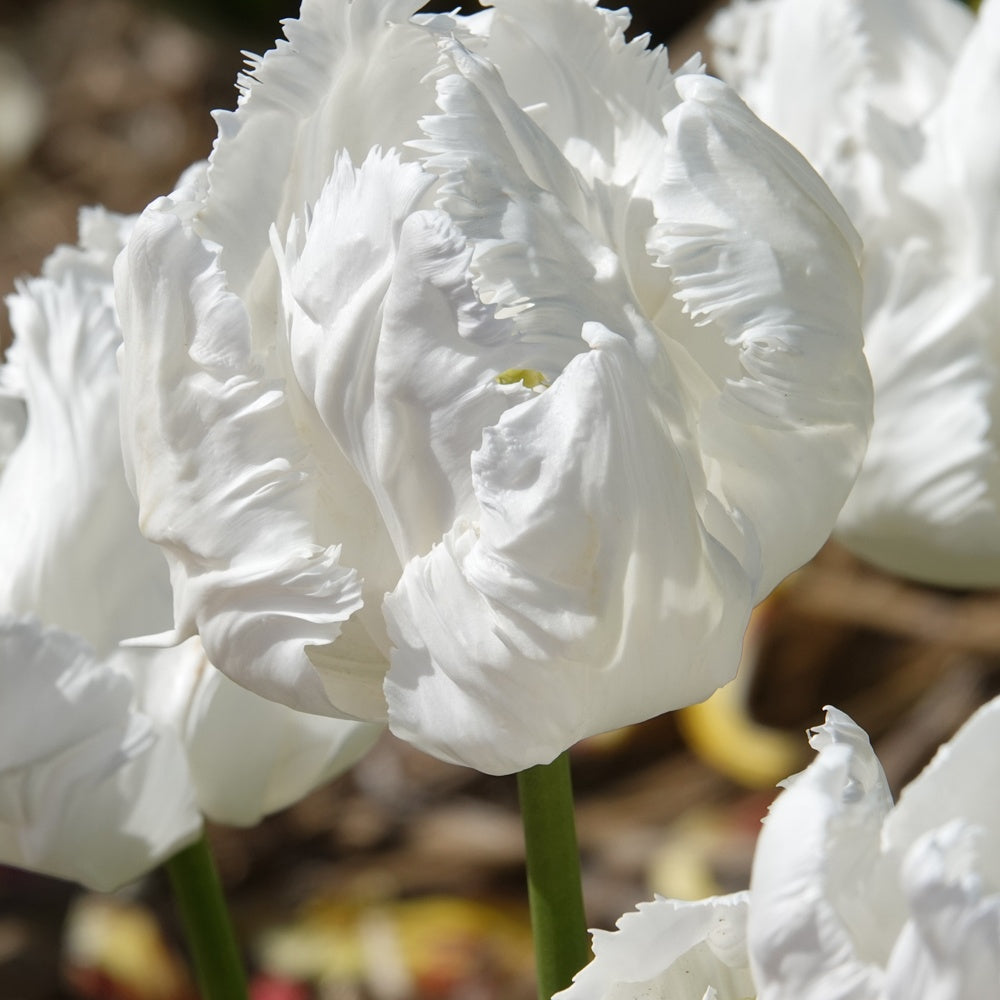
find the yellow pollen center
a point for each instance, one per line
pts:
(528, 377)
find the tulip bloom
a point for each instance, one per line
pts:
(893, 101)
(673, 949)
(109, 753)
(853, 897)
(489, 377)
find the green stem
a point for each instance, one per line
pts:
(210, 936)
(562, 945)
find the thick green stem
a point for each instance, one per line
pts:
(210, 936)
(561, 942)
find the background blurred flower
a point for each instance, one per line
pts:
(853, 897)
(671, 948)
(892, 101)
(108, 751)
(492, 405)
(90, 789)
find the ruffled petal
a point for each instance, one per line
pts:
(763, 259)
(892, 103)
(336, 273)
(221, 475)
(927, 500)
(600, 100)
(545, 621)
(518, 203)
(90, 789)
(67, 509)
(845, 81)
(812, 932)
(248, 756)
(786, 59)
(962, 149)
(957, 785)
(950, 948)
(671, 950)
(348, 76)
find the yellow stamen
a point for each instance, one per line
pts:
(529, 377)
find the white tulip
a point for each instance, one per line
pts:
(109, 753)
(893, 101)
(853, 898)
(670, 949)
(490, 376)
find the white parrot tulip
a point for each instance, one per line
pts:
(110, 753)
(671, 949)
(854, 898)
(893, 101)
(851, 897)
(489, 377)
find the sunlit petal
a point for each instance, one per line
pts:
(90, 789)
(66, 508)
(853, 897)
(892, 102)
(541, 621)
(262, 589)
(671, 950)
(248, 756)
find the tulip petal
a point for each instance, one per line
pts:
(600, 100)
(336, 273)
(390, 348)
(67, 509)
(671, 950)
(248, 756)
(322, 91)
(220, 471)
(963, 151)
(925, 503)
(812, 933)
(763, 258)
(958, 784)
(544, 621)
(950, 948)
(89, 789)
(789, 58)
(520, 204)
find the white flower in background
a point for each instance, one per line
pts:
(489, 378)
(893, 101)
(107, 752)
(856, 899)
(671, 950)
(90, 788)
(851, 897)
